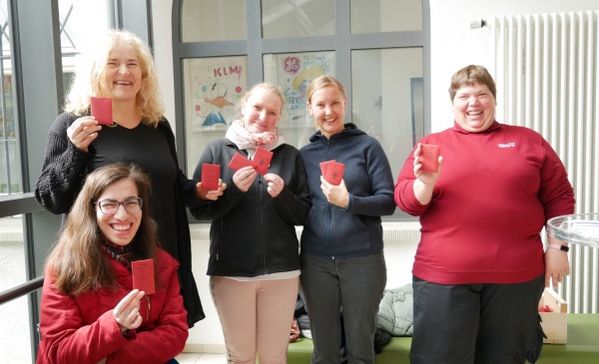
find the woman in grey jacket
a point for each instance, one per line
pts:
(254, 257)
(343, 267)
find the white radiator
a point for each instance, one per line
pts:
(547, 74)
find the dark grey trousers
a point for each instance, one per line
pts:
(476, 323)
(354, 285)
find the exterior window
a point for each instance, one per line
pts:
(374, 16)
(10, 159)
(14, 314)
(79, 21)
(297, 18)
(213, 20)
(388, 98)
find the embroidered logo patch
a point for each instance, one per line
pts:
(507, 145)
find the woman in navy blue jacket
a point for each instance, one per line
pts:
(343, 267)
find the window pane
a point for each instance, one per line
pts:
(79, 22)
(388, 99)
(212, 87)
(293, 72)
(297, 18)
(10, 158)
(14, 336)
(213, 20)
(373, 16)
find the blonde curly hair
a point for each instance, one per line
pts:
(90, 72)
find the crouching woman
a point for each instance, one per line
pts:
(90, 311)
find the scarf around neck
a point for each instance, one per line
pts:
(121, 254)
(245, 140)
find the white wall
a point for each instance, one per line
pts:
(453, 45)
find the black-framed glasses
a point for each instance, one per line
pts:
(109, 206)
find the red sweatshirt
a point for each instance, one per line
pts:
(496, 191)
(82, 329)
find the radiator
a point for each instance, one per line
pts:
(547, 74)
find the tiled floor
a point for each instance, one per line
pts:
(192, 358)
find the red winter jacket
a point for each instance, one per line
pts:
(82, 329)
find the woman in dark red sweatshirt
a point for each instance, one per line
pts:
(480, 267)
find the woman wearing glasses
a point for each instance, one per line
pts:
(121, 67)
(90, 312)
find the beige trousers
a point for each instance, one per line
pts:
(256, 317)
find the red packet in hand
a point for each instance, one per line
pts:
(262, 159)
(101, 109)
(210, 176)
(429, 157)
(239, 161)
(143, 275)
(334, 173)
(324, 165)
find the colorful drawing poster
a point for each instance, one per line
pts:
(293, 72)
(216, 84)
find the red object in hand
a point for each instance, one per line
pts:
(239, 161)
(101, 109)
(332, 171)
(261, 162)
(545, 308)
(143, 275)
(210, 176)
(429, 157)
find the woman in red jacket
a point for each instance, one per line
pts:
(90, 312)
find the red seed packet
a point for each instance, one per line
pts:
(101, 109)
(334, 172)
(324, 165)
(143, 275)
(429, 157)
(261, 160)
(239, 161)
(210, 176)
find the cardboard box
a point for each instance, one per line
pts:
(554, 323)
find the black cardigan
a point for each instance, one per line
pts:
(64, 171)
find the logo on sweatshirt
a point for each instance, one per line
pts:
(507, 145)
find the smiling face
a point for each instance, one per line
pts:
(122, 74)
(474, 107)
(261, 111)
(327, 107)
(120, 228)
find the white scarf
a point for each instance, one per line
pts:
(246, 140)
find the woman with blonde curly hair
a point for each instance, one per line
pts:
(121, 67)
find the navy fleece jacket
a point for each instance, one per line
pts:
(356, 230)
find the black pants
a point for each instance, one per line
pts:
(476, 323)
(354, 284)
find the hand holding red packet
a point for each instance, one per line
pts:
(101, 109)
(143, 275)
(261, 160)
(429, 157)
(239, 161)
(332, 171)
(210, 176)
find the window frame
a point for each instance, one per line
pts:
(343, 42)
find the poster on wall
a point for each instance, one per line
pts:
(293, 72)
(216, 84)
